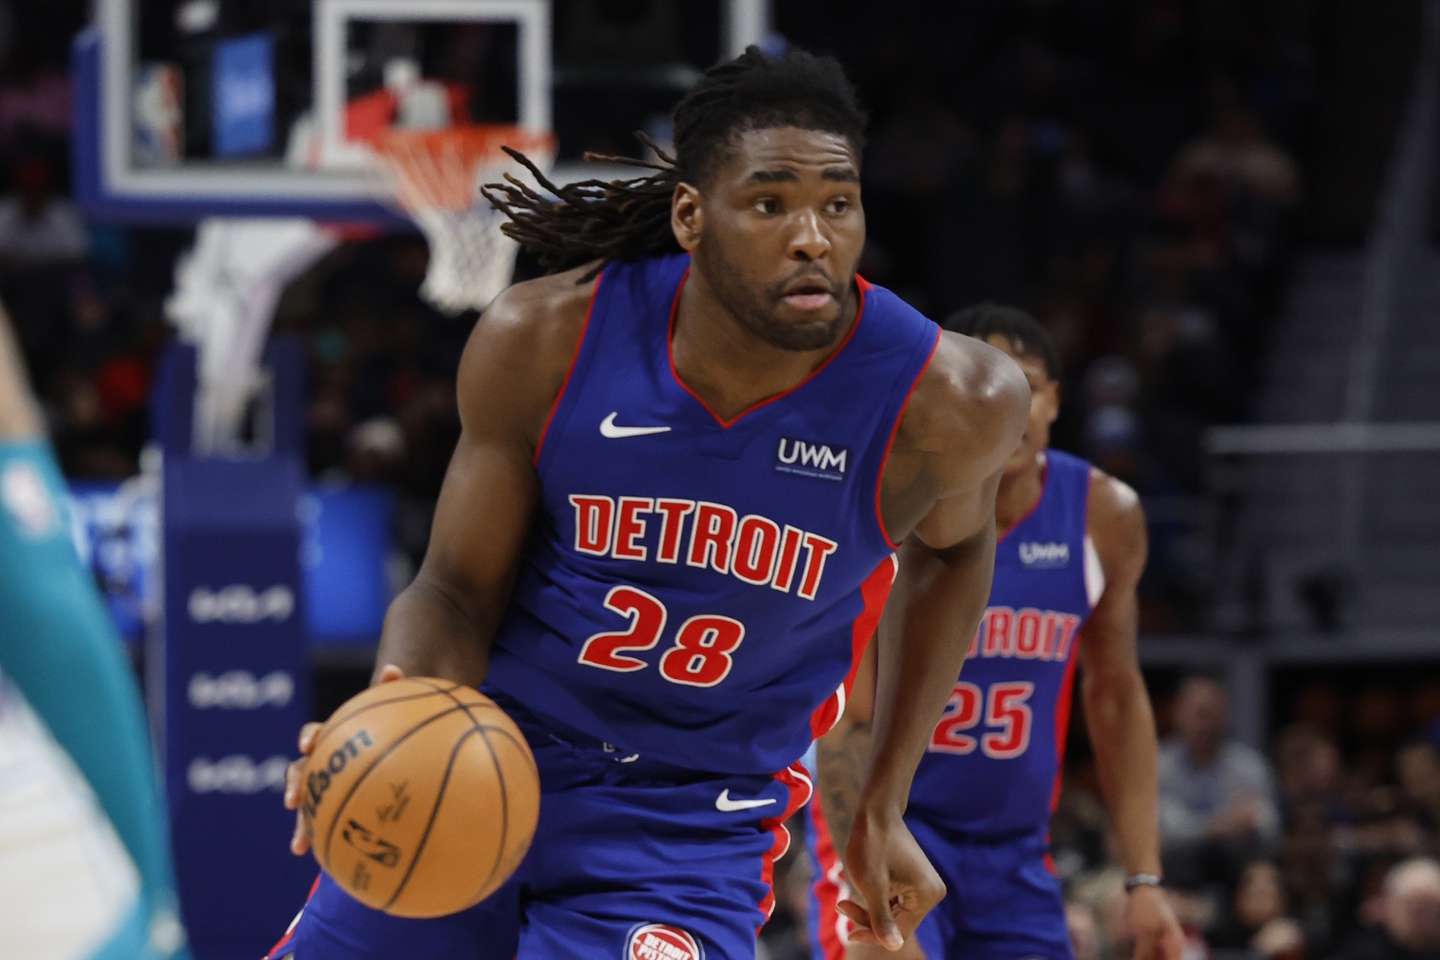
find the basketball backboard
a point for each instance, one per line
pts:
(193, 108)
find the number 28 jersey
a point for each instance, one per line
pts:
(993, 761)
(698, 590)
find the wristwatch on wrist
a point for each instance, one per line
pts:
(1142, 880)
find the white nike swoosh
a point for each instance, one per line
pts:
(610, 430)
(724, 804)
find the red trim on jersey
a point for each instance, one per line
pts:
(290, 930)
(894, 429)
(1044, 481)
(860, 282)
(825, 888)
(873, 591)
(569, 371)
(797, 781)
(1062, 721)
(1067, 682)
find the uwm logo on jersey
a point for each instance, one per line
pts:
(808, 459)
(1045, 555)
(702, 534)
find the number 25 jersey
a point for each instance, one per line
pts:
(993, 760)
(698, 590)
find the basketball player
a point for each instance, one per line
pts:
(689, 460)
(1071, 550)
(84, 859)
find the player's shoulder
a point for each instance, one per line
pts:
(532, 325)
(533, 312)
(523, 344)
(970, 396)
(1115, 516)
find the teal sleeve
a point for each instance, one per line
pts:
(58, 646)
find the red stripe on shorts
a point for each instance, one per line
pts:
(831, 923)
(290, 930)
(797, 781)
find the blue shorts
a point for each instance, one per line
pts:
(632, 859)
(1002, 899)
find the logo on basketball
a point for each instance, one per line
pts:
(379, 849)
(318, 781)
(661, 941)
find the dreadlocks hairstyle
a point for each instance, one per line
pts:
(623, 219)
(1025, 334)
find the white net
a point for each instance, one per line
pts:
(437, 175)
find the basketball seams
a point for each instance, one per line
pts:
(504, 808)
(520, 742)
(485, 729)
(468, 705)
(483, 725)
(470, 701)
(361, 777)
(434, 812)
(417, 695)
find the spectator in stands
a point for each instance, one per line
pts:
(1418, 767)
(1410, 924)
(34, 98)
(1316, 875)
(1308, 764)
(1237, 151)
(1217, 805)
(1390, 829)
(36, 224)
(1258, 920)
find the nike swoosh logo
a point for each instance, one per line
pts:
(609, 429)
(724, 804)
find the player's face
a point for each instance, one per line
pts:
(1044, 406)
(777, 232)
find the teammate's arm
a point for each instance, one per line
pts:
(963, 422)
(512, 370)
(1118, 713)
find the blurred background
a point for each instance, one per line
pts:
(1222, 210)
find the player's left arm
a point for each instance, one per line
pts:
(1118, 712)
(938, 493)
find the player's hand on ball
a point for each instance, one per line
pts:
(295, 773)
(1153, 924)
(892, 877)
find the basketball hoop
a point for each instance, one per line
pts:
(437, 177)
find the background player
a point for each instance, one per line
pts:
(84, 857)
(1072, 547)
(669, 526)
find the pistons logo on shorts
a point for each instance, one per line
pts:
(661, 941)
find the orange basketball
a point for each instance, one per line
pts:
(420, 797)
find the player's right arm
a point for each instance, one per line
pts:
(513, 369)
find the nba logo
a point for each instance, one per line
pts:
(661, 941)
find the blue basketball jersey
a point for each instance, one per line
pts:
(697, 590)
(993, 760)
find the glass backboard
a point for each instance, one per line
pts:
(194, 108)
